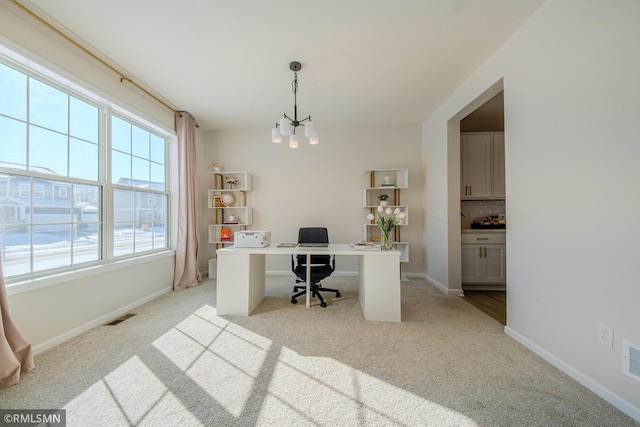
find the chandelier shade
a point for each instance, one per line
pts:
(287, 125)
(276, 137)
(293, 141)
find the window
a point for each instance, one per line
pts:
(140, 202)
(54, 179)
(62, 192)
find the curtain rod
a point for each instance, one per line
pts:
(123, 78)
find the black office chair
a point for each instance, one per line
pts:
(321, 265)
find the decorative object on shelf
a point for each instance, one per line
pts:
(383, 200)
(387, 219)
(217, 202)
(225, 235)
(287, 126)
(387, 182)
(215, 168)
(231, 181)
(227, 199)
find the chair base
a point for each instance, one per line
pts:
(315, 289)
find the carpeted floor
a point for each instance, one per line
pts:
(176, 363)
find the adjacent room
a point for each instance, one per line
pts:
(438, 231)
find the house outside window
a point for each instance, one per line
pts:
(55, 180)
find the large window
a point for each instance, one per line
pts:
(64, 159)
(139, 200)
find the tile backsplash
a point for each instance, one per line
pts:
(473, 209)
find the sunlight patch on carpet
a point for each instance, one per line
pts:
(130, 395)
(220, 357)
(324, 391)
(250, 378)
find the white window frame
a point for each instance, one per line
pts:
(63, 192)
(107, 106)
(24, 190)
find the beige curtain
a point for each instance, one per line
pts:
(15, 350)
(187, 273)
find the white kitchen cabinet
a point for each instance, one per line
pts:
(483, 260)
(482, 165)
(497, 168)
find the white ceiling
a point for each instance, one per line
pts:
(364, 62)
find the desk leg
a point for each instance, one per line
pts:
(379, 290)
(240, 283)
(308, 280)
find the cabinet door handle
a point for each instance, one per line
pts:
(482, 238)
(485, 251)
(469, 190)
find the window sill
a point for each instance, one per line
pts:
(55, 279)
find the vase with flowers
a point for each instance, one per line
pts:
(386, 220)
(231, 182)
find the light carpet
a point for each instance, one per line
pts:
(176, 363)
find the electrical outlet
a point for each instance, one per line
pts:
(605, 335)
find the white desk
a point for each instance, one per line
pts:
(241, 272)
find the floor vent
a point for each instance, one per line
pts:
(631, 359)
(121, 319)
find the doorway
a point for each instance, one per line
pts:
(482, 123)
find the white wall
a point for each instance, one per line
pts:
(321, 185)
(572, 102)
(76, 302)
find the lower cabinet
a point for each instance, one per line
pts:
(483, 260)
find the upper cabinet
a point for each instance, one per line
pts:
(497, 152)
(482, 166)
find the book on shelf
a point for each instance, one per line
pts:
(217, 202)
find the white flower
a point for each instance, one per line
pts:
(370, 217)
(397, 211)
(388, 211)
(402, 215)
(380, 209)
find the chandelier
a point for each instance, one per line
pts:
(287, 126)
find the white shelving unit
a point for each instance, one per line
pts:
(230, 211)
(390, 182)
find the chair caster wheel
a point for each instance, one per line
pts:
(323, 304)
(294, 301)
(337, 294)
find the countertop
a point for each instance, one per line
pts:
(484, 230)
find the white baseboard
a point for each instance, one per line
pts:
(443, 288)
(37, 349)
(598, 389)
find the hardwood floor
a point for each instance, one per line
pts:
(493, 303)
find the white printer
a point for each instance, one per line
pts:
(252, 239)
